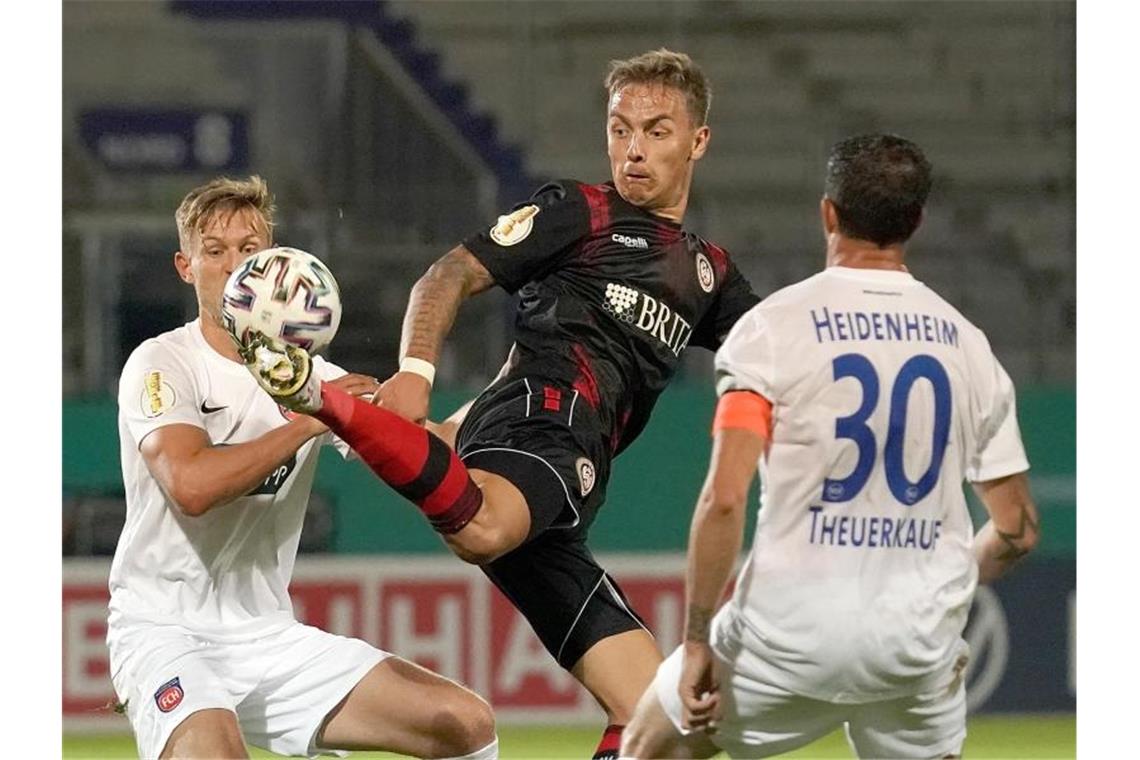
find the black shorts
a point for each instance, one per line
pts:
(568, 599)
(540, 436)
(545, 440)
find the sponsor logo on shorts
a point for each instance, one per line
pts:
(586, 475)
(157, 395)
(169, 695)
(705, 276)
(515, 226)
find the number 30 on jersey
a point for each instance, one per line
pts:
(855, 428)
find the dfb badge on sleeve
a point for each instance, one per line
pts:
(514, 227)
(157, 395)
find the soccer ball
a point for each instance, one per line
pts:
(285, 294)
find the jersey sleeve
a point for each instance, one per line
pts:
(744, 362)
(326, 370)
(999, 451)
(534, 238)
(735, 298)
(157, 389)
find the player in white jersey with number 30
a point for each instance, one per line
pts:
(867, 400)
(205, 652)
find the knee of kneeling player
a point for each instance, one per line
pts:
(633, 741)
(642, 742)
(468, 725)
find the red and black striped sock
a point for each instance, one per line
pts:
(610, 745)
(418, 465)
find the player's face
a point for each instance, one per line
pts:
(227, 239)
(653, 141)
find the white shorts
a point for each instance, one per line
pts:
(761, 720)
(281, 685)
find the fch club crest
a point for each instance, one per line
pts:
(169, 695)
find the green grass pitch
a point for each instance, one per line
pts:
(1042, 737)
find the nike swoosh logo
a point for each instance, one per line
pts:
(211, 409)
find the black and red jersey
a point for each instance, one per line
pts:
(610, 295)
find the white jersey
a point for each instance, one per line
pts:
(884, 399)
(226, 572)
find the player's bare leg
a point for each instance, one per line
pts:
(500, 525)
(401, 707)
(210, 733)
(481, 516)
(651, 734)
(616, 671)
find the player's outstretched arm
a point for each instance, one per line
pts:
(1013, 528)
(198, 476)
(432, 307)
(715, 539)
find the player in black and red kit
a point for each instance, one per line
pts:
(612, 290)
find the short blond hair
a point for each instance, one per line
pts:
(663, 66)
(223, 195)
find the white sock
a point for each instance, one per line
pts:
(490, 752)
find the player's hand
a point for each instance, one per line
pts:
(357, 385)
(700, 693)
(407, 394)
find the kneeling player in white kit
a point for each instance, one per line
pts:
(205, 652)
(867, 400)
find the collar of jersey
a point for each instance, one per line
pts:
(872, 275)
(649, 214)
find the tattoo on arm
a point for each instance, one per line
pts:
(435, 301)
(697, 627)
(1026, 527)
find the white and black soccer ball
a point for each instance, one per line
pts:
(283, 293)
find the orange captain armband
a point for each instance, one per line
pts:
(744, 409)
